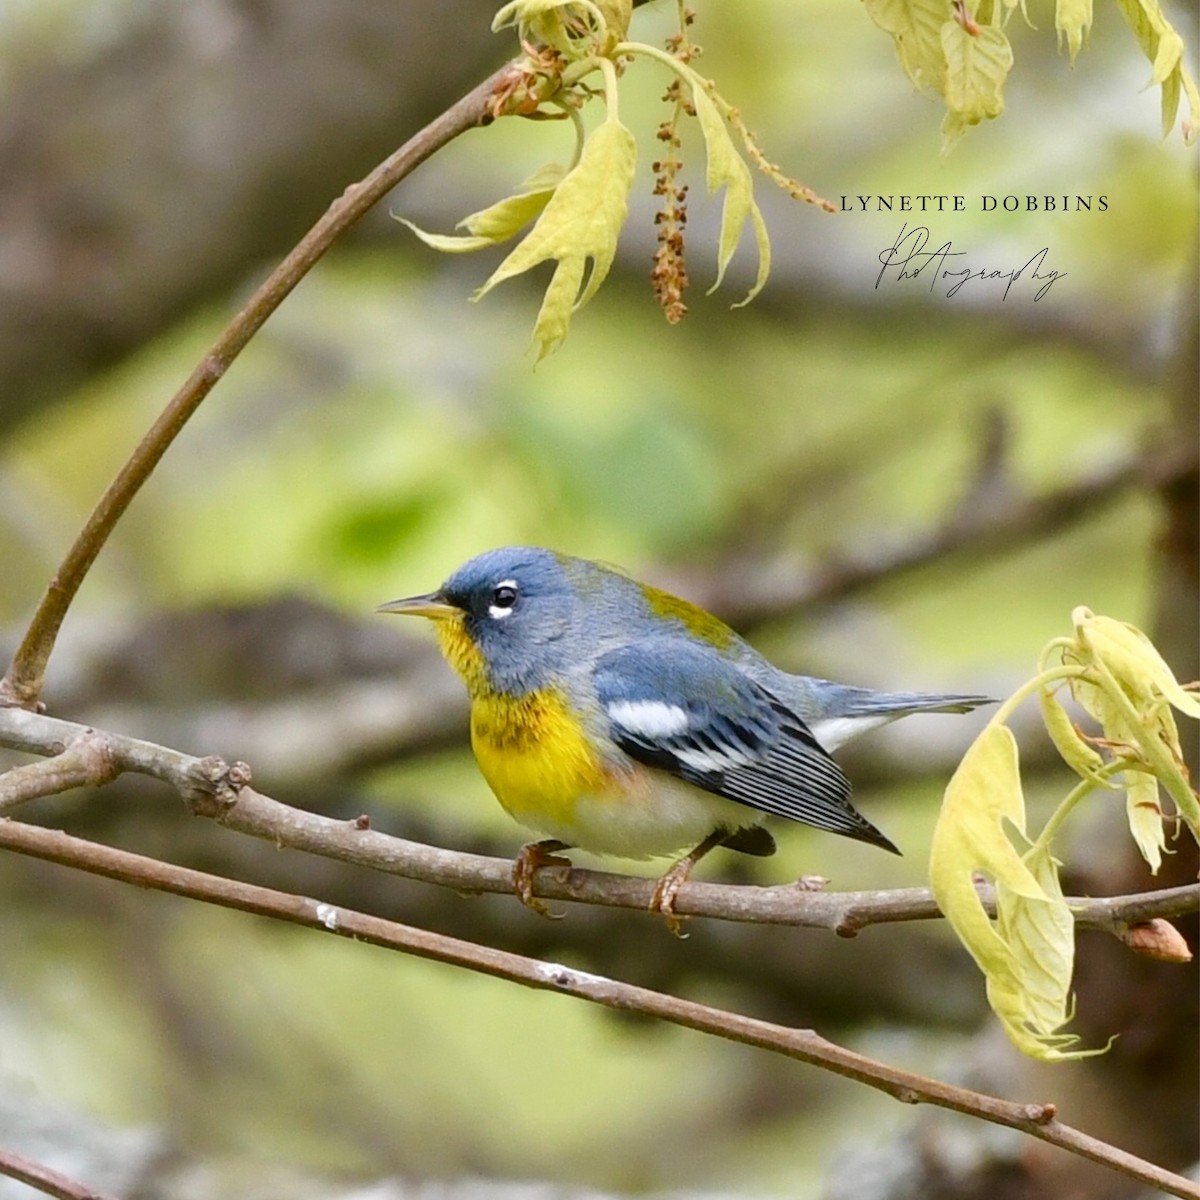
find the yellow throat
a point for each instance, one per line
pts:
(531, 749)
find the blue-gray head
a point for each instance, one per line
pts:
(500, 617)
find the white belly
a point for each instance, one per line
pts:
(658, 815)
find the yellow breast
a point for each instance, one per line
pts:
(535, 756)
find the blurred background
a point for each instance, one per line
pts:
(883, 485)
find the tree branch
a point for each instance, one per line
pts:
(43, 1179)
(979, 530)
(22, 683)
(211, 787)
(804, 1045)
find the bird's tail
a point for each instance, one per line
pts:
(845, 711)
(862, 702)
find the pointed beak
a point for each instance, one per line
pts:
(434, 606)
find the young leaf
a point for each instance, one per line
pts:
(1145, 817)
(1133, 659)
(501, 221)
(1041, 934)
(1026, 956)
(1164, 48)
(727, 168)
(916, 28)
(1073, 20)
(1130, 691)
(581, 223)
(976, 67)
(575, 28)
(1076, 753)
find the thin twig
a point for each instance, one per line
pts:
(804, 1045)
(22, 684)
(216, 789)
(43, 1179)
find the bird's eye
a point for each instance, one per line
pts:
(504, 596)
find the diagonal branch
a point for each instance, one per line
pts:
(210, 787)
(804, 1045)
(43, 1179)
(22, 684)
(748, 597)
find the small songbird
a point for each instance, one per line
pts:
(614, 717)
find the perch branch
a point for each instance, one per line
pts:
(213, 788)
(43, 1179)
(804, 1045)
(22, 683)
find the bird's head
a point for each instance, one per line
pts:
(500, 618)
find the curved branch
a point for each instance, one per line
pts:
(213, 788)
(22, 683)
(804, 1045)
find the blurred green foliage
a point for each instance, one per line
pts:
(381, 429)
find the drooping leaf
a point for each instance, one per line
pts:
(496, 224)
(1130, 690)
(1072, 21)
(916, 29)
(1076, 753)
(1026, 955)
(1010, 5)
(727, 169)
(1133, 659)
(977, 66)
(1164, 48)
(580, 224)
(1041, 935)
(1145, 817)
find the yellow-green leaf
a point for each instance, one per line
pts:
(976, 67)
(580, 224)
(617, 14)
(954, 125)
(573, 27)
(916, 29)
(1041, 935)
(1077, 754)
(1129, 689)
(1072, 21)
(1164, 48)
(727, 169)
(983, 794)
(1133, 659)
(501, 221)
(509, 216)
(1009, 5)
(1145, 817)
(1026, 955)
(448, 243)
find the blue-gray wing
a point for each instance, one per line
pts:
(675, 705)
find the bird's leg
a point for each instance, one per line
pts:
(532, 856)
(663, 900)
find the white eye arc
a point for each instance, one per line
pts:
(504, 596)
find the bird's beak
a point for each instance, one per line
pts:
(434, 606)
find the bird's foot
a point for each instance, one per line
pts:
(525, 866)
(665, 891)
(667, 888)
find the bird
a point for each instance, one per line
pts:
(610, 716)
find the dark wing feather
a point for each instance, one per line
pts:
(677, 706)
